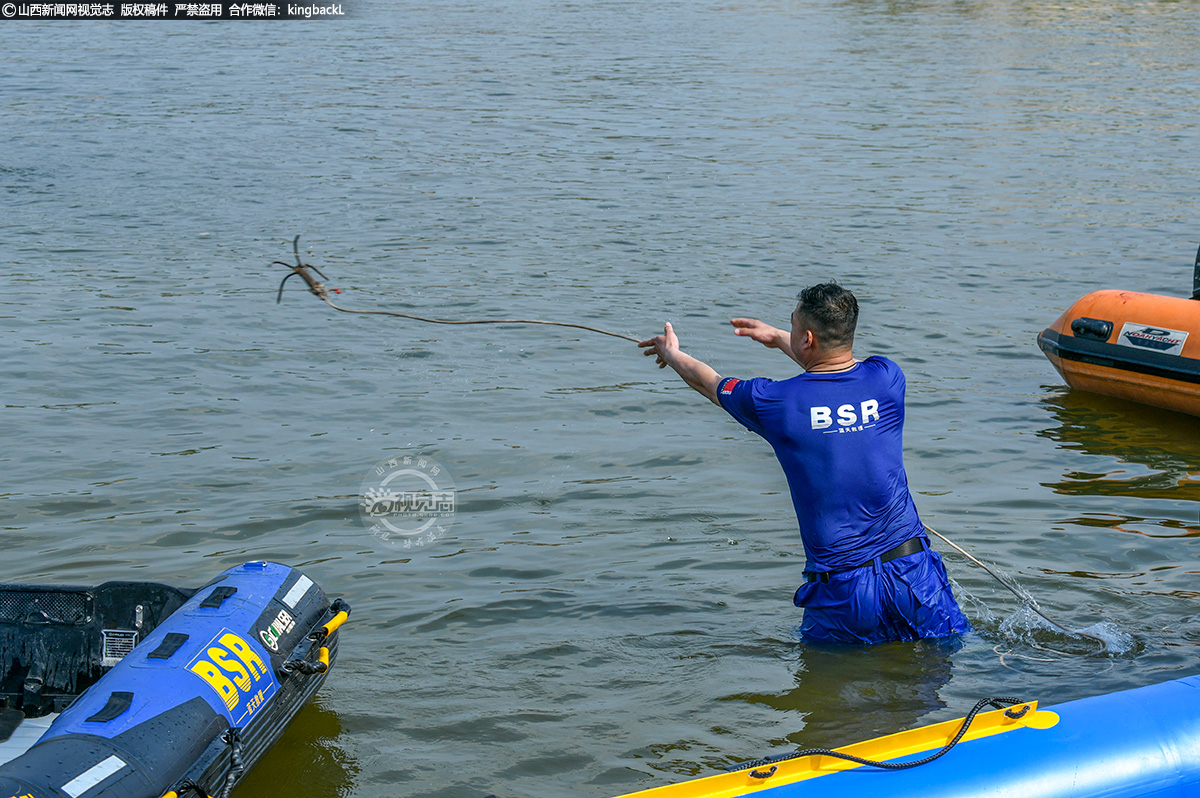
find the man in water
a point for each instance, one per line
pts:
(837, 430)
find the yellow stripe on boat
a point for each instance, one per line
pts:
(893, 746)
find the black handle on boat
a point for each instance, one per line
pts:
(1196, 277)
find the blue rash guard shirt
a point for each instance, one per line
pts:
(838, 436)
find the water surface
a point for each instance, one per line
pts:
(611, 609)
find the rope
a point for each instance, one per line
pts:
(999, 703)
(237, 767)
(321, 292)
(1026, 600)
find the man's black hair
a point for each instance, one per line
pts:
(831, 312)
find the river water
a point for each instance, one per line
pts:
(610, 608)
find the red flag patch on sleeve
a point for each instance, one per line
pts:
(728, 385)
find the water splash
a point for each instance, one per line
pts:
(1024, 629)
(1116, 641)
(979, 609)
(1025, 635)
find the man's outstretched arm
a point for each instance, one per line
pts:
(765, 334)
(695, 373)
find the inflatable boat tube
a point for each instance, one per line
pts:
(194, 705)
(1140, 347)
(1132, 744)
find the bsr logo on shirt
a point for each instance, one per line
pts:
(868, 411)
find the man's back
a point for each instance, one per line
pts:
(839, 438)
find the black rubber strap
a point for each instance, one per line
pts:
(217, 596)
(168, 646)
(118, 702)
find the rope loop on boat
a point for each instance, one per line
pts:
(1017, 714)
(997, 703)
(184, 788)
(233, 738)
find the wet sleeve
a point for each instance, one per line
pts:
(898, 382)
(737, 397)
(896, 387)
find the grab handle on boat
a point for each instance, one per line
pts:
(299, 662)
(341, 612)
(1084, 327)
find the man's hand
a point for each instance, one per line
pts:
(664, 346)
(765, 334)
(697, 374)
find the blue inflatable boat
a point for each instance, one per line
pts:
(160, 692)
(1142, 743)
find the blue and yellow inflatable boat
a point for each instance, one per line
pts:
(1142, 743)
(161, 692)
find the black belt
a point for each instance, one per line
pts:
(910, 546)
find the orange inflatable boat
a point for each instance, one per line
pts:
(1141, 347)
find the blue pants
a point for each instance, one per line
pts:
(905, 599)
